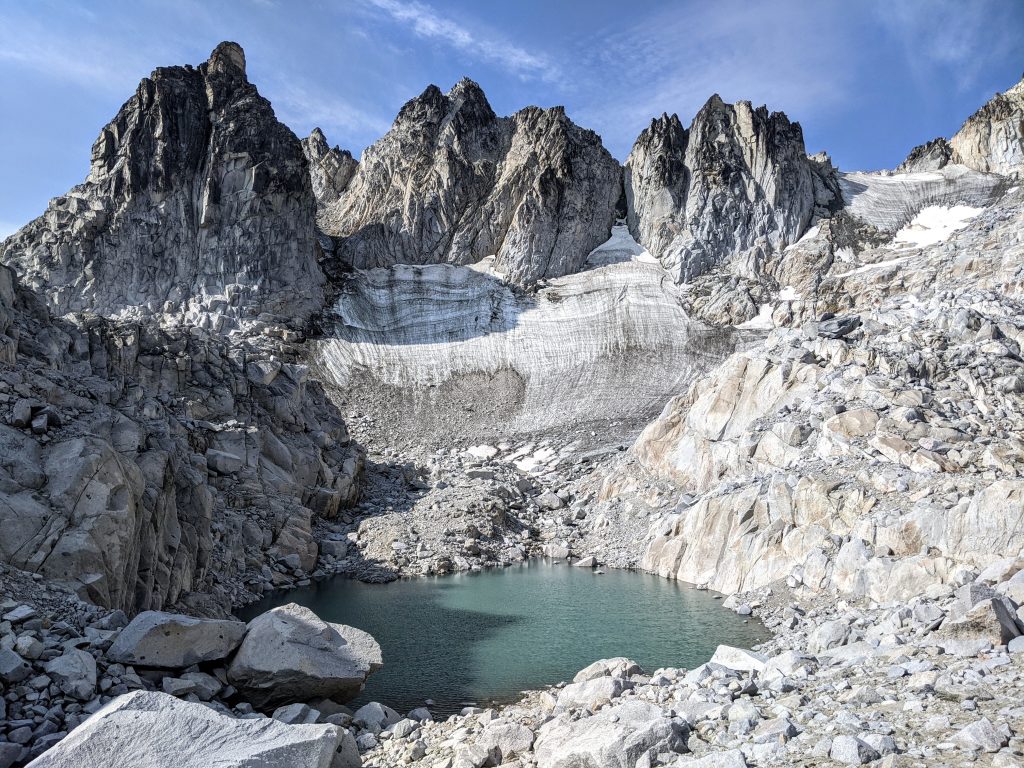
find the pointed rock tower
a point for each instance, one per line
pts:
(198, 207)
(452, 182)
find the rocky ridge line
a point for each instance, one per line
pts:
(534, 190)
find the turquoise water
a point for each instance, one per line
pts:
(480, 638)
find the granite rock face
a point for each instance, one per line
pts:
(453, 183)
(153, 729)
(198, 206)
(330, 168)
(734, 187)
(161, 438)
(142, 464)
(290, 654)
(990, 141)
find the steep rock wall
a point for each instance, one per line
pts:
(452, 183)
(198, 206)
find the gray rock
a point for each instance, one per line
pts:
(13, 668)
(992, 139)
(838, 327)
(982, 736)
(828, 635)
(991, 619)
(616, 736)
(21, 414)
(376, 716)
(296, 714)
(330, 169)
(852, 751)
(592, 693)
(9, 754)
(147, 730)
(75, 672)
(289, 654)
(730, 758)
(533, 189)
(738, 659)
(508, 739)
(20, 614)
(616, 667)
(171, 640)
(225, 174)
(777, 729)
(403, 728)
(736, 164)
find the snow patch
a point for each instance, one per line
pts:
(618, 248)
(788, 294)
(933, 225)
(763, 321)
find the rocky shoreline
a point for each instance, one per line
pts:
(929, 682)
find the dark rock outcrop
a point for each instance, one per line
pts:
(146, 453)
(453, 183)
(198, 206)
(930, 156)
(140, 464)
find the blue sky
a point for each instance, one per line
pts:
(868, 80)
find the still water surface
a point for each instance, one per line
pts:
(478, 638)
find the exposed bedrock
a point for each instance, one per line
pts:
(444, 349)
(330, 168)
(198, 206)
(452, 183)
(151, 454)
(870, 457)
(990, 141)
(140, 465)
(734, 187)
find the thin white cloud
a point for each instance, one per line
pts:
(427, 23)
(674, 60)
(955, 38)
(62, 63)
(304, 107)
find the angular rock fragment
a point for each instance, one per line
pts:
(290, 655)
(171, 640)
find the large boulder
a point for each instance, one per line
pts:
(991, 619)
(170, 640)
(290, 654)
(592, 693)
(619, 666)
(74, 671)
(738, 659)
(616, 737)
(145, 729)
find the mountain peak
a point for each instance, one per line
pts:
(227, 57)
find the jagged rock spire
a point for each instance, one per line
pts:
(451, 182)
(991, 140)
(736, 185)
(198, 205)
